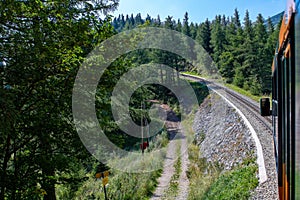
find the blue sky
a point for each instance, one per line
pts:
(199, 10)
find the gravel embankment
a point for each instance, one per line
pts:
(268, 189)
(224, 138)
(221, 134)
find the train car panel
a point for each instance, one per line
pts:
(286, 103)
(297, 106)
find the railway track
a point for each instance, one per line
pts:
(263, 128)
(237, 98)
(254, 109)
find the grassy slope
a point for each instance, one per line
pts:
(208, 182)
(235, 88)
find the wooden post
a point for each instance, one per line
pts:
(105, 194)
(104, 176)
(142, 130)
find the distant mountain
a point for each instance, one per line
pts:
(276, 19)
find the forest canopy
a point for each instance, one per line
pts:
(43, 44)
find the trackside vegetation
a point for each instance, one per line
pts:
(208, 181)
(44, 44)
(241, 49)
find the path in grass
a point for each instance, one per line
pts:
(173, 128)
(183, 179)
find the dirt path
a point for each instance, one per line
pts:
(173, 128)
(183, 180)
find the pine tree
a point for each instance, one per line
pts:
(227, 66)
(248, 29)
(239, 79)
(272, 38)
(48, 40)
(236, 19)
(270, 28)
(261, 71)
(122, 21)
(224, 21)
(218, 39)
(169, 24)
(186, 28)
(157, 21)
(148, 18)
(204, 36)
(179, 26)
(270, 50)
(193, 30)
(233, 51)
(131, 20)
(138, 20)
(248, 54)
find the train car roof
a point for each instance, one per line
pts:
(286, 23)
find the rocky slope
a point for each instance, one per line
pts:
(221, 134)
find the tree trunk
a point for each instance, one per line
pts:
(3, 182)
(48, 183)
(50, 189)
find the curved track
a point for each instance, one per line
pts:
(263, 128)
(265, 121)
(253, 108)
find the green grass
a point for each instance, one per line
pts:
(297, 182)
(245, 92)
(207, 180)
(201, 174)
(191, 73)
(139, 185)
(194, 74)
(172, 190)
(235, 88)
(200, 90)
(124, 185)
(235, 184)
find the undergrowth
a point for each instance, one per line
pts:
(172, 190)
(207, 181)
(235, 184)
(200, 175)
(235, 88)
(124, 185)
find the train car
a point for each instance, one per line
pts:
(286, 103)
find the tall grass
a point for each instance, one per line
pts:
(172, 190)
(201, 176)
(235, 184)
(208, 181)
(124, 185)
